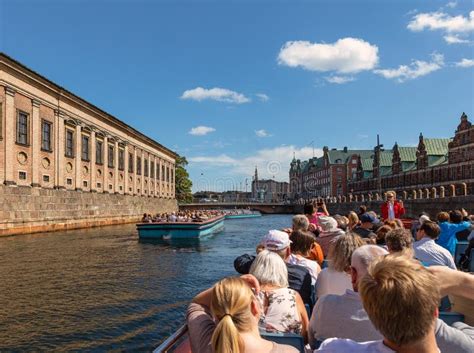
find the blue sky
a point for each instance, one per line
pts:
(234, 84)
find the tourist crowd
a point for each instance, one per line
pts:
(184, 216)
(355, 283)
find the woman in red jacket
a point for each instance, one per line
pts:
(392, 208)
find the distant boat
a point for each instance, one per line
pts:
(243, 215)
(180, 230)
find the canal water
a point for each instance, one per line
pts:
(102, 289)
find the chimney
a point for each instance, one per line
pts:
(345, 149)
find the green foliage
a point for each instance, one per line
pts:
(183, 183)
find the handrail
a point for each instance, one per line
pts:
(171, 340)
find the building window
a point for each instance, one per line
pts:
(84, 183)
(163, 173)
(46, 136)
(69, 143)
(152, 169)
(111, 157)
(46, 178)
(145, 167)
(121, 159)
(120, 187)
(85, 148)
(22, 175)
(139, 166)
(99, 152)
(22, 128)
(1, 120)
(69, 181)
(99, 185)
(130, 162)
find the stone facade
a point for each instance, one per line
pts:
(28, 210)
(269, 190)
(53, 139)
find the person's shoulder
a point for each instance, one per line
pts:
(337, 345)
(283, 348)
(296, 268)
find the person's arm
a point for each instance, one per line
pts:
(304, 316)
(325, 209)
(401, 209)
(454, 282)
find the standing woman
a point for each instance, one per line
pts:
(392, 208)
(224, 319)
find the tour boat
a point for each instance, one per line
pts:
(180, 230)
(243, 215)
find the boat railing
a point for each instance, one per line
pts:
(171, 343)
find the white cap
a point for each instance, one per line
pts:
(276, 240)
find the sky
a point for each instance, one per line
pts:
(232, 85)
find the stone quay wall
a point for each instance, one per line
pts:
(413, 207)
(30, 210)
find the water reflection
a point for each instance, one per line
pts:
(103, 289)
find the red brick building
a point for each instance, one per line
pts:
(436, 167)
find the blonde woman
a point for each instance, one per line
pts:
(283, 309)
(336, 278)
(353, 220)
(224, 319)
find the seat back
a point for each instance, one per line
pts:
(290, 339)
(461, 247)
(451, 317)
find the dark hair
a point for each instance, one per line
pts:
(431, 229)
(308, 208)
(362, 209)
(398, 239)
(301, 242)
(455, 216)
(381, 233)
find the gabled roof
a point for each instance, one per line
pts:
(335, 155)
(436, 146)
(386, 159)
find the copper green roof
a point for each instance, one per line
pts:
(434, 160)
(341, 156)
(436, 147)
(386, 159)
(367, 164)
(407, 154)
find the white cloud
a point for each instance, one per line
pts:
(454, 39)
(262, 133)
(452, 4)
(347, 55)
(201, 130)
(263, 97)
(271, 162)
(465, 63)
(339, 79)
(216, 93)
(442, 21)
(416, 69)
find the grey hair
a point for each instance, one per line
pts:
(269, 268)
(363, 256)
(300, 222)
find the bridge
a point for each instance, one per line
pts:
(265, 208)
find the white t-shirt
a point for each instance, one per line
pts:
(312, 266)
(332, 282)
(338, 345)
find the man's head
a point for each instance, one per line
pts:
(401, 298)
(367, 220)
(277, 241)
(300, 223)
(428, 229)
(399, 240)
(455, 216)
(361, 258)
(308, 209)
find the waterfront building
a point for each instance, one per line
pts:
(436, 167)
(324, 176)
(51, 138)
(269, 190)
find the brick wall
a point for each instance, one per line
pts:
(28, 210)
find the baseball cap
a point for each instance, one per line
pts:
(367, 217)
(276, 240)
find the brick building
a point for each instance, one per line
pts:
(269, 190)
(50, 138)
(436, 167)
(324, 176)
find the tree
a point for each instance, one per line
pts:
(183, 183)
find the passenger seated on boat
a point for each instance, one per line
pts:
(401, 298)
(146, 218)
(299, 277)
(329, 232)
(224, 319)
(336, 278)
(282, 308)
(343, 315)
(301, 245)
